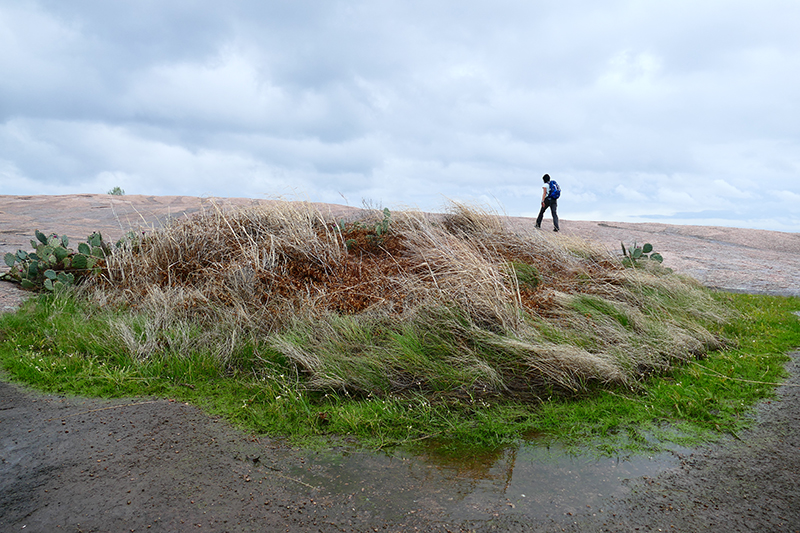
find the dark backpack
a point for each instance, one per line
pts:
(555, 190)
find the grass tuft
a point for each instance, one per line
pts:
(403, 328)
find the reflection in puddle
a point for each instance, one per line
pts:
(532, 481)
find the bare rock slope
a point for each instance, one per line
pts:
(725, 258)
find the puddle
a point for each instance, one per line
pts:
(530, 480)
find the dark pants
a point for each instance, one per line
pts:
(553, 205)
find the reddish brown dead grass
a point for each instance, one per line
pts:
(509, 302)
(246, 259)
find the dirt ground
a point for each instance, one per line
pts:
(75, 464)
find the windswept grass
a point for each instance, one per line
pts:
(454, 304)
(290, 321)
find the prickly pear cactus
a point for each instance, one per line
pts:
(634, 252)
(53, 265)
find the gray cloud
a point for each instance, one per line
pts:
(680, 111)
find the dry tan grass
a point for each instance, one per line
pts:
(265, 270)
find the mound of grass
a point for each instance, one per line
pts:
(393, 302)
(394, 327)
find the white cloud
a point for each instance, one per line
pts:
(790, 197)
(678, 110)
(631, 72)
(725, 189)
(629, 194)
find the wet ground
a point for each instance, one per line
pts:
(74, 464)
(71, 464)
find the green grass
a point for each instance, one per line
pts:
(63, 344)
(699, 400)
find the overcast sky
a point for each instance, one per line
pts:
(685, 112)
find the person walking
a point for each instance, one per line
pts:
(551, 192)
